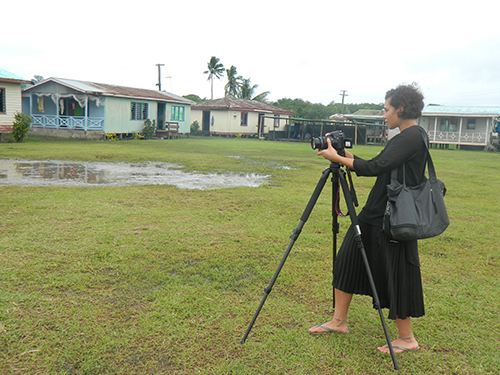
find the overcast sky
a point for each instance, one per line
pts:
(309, 50)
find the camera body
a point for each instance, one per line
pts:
(337, 138)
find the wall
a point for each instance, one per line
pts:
(12, 105)
(117, 115)
(229, 121)
(67, 134)
(184, 126)
(483, 124)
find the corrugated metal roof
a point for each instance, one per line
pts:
(366, 114)
(7, 76)
(246, 105)
(93, 88)
(461, 111)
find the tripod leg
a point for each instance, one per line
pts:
(293, 237)
(359, 242)
(335, 228)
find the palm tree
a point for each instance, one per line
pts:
(233, 84)
(215, 69)
(247, 91)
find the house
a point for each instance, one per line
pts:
(373, 120)
(10, 99)
(473, 127)
(246, 117)
(80, 109)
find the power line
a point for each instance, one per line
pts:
(159, 75)
(343, 93)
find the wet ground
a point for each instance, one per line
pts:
(98, 174)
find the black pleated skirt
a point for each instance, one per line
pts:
(395, 269)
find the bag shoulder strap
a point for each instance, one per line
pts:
(429, 163)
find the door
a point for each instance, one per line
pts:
(160, 121)
(206, 121)
(261, 123)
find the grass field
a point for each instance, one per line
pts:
(158, 280)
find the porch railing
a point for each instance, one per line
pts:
(472, 138)
(68, 122)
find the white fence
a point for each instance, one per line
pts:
(68, 122)
(472, 138)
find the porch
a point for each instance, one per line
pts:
(470, 138)
(67, 122)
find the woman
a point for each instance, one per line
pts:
(394, 264)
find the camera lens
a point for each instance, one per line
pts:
(319, 143)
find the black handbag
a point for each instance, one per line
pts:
(416, 212)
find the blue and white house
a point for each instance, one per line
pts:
(81, 109)
(461, 125)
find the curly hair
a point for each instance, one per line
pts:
(410, 98)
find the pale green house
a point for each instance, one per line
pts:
(81, 109)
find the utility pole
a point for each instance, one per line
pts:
(343, 93)
(159, 75)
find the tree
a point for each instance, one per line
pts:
(215, 69)
(233, 84)
(20, 126)
(194, 98)
(247, 91)
(149, 129)
(37, 79)
(317, 111)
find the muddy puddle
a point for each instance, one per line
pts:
(99, 174)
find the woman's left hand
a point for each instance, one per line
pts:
(329, 153)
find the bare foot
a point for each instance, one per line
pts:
(401, 345)
(334, 325)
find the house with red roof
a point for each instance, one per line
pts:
(228, 116)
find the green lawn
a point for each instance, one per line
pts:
(157, 280)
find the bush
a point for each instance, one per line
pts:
(20, 126)
(149, 129)
(195, 128)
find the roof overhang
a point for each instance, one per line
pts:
(13, 80)
(106, 90)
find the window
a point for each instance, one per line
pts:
(244, 119)
(448, 125)
(276, 121)
(177, 113)
(471, 124)
(2, 100)
(138, 111)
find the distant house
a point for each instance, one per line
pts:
(10, 99)
(71, 108)
(228, 116)
(461, 126)
(373, 121)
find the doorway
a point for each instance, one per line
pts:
(206, 121)
(160, 121)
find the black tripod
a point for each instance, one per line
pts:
(338, 175)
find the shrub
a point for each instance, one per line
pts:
(195, 128)
(20, 126)
(149, 129)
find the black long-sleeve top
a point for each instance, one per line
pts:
(406, 147)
